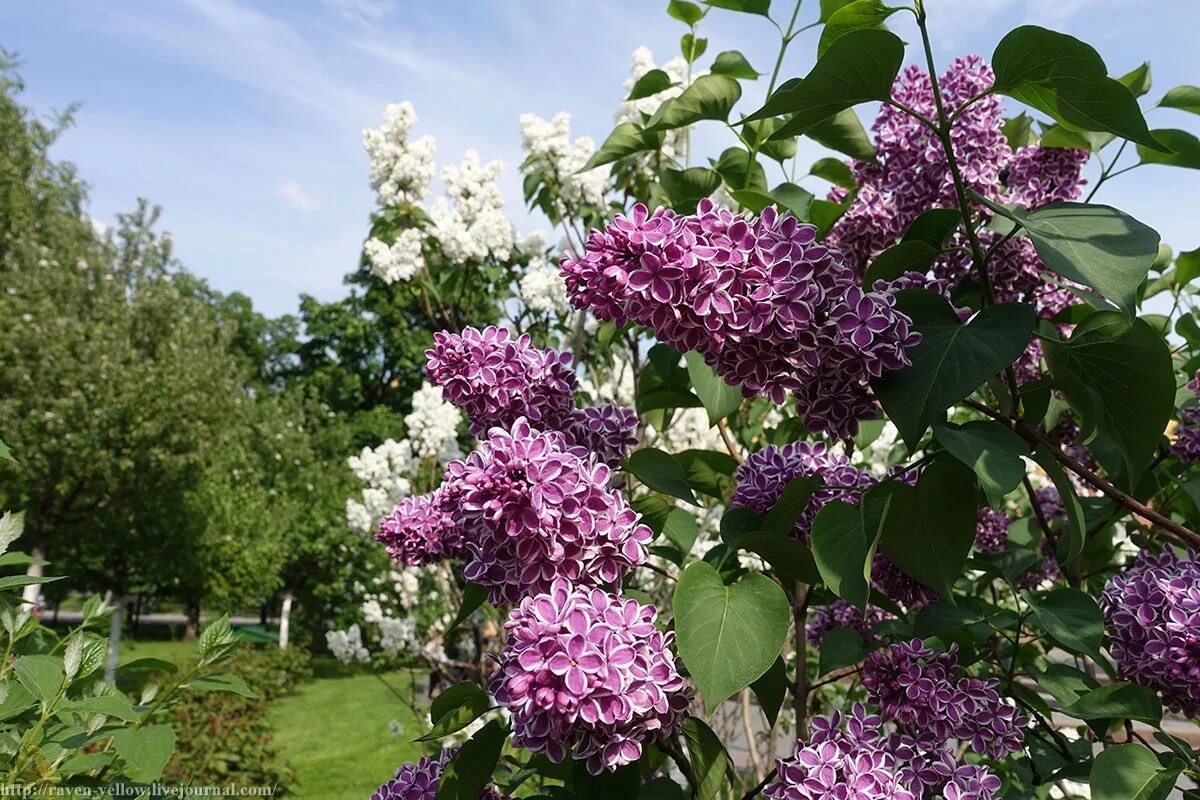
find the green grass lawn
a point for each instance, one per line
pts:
(333, 732)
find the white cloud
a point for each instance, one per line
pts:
(298, 199)
(362, 11)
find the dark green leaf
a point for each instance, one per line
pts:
(709, 97)
(221, 682)
(1137, 80)
(786, 196)
(1063, 682)
(790, 505)
(685, 12)
(789, 559)
(681, 530)
(470, 769)
(834, 171)
(1072, 619)
(735, 65)
(652, 82)
(455, 708)
(841, 647)
(654, 510)
(853, 16)
(719, 398)
(1117, 374)
(1131, 772)
(473, 597)
(929, 529)
(708, 471)
(933, 227)
(1185, 149)
(952, 359)
(692, 47)
(1118, 700)
(1030, 54)
(990, 449)
(938, 617)
(666, 397)
(622, 783)
(728, 636)
(1071, 544)
(844, 133)
(740, 170)
(145, 751)
(140, 665)
(844, 538)
(771, 690)
(661, 472)
(710, 762)
(625, 140)
(916, 256)
(687, 187)
(1185, 98)
(857, 68)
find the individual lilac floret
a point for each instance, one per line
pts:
(609, 431)
(925, 694)
(850, 757)
(762, 478)
(496, 379)
(766, 305)
(991, 531)
(422, 529)
(533, 509)
(418, 780)
(1153, 613)
(1187, 435)
(588, 671)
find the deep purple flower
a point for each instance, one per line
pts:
(533, 510)
(925, 694)
(844, 614)
(422, 530)
(419, 781)
(1187, 434)
(609, 431)
(991, 531)
(1153, 613)
(588, 671)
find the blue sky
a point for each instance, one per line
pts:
(243, 118)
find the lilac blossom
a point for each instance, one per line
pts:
(766, 305)
(534, 509)
(422, 529)
(991, 531)
(587, 671)
(1153, 614)
(1187, 435)
(609, 431)
(418, 780)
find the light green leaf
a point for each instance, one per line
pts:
(834, 171)
(42, 675)
(681, 530)
(221, 682)
(652, 82)
(1072, 619)
(1185, 98)
(1185, 149)
(145, 751)
(735, 65)
(711, 764)
(692, 47)
(728, 636)
(1137, 80)
(11, 527)
(1131, 772)
(625, 140)
(110, 705)
(685, 12)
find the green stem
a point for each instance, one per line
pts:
(785, 39)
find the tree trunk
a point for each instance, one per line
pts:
(31, 595)
(114, 640)
(285, 616)
(192, 629)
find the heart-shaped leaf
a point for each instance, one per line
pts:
(990, 449)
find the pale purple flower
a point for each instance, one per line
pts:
(1153, 614)
(589, 672)
(1187, 435)
(533, 509)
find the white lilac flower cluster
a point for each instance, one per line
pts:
(347, 645)
(398, 261)
(433, 425)
(543, 288)
(548, 147)
(633, 110)
(469, 221)
(401, 170)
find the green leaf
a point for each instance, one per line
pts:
(708, 471)
(1131, 772)
(661, 472)
(834, 171)
(217, 638)
(1185, 98)
(760, 7)
(692, 47)
(111, 705)
(1018, 131)
(857, 68)
(666, 397)
(771, 690)
(18, 581)
(719, 398)
(42, 675)
(709, 97)
(929, 529)
(1117, 374)
(622, 783)
(790, 505)
(710, 762)
(841, 647)
(844, 538)
(469, 771)
(1185, 149)
(11, 527)
(141, 665)
(473, 597)
(687, 187)
(1065, 78)
(728, 636)
(1118, 700)
(990, 449)
(735, 65)
(685, 12)
(6, 454)
(145, 751)
(652, 82)
(1071, 544)
(1187, 266)
(741, 170)
(844, 133)
(853, 16)
(85, 762)
(893, 262)
(1072, 619)
(831, 7)
(625, 140)
(786, 196)
(221, 682)
(16, 558)
(1137, 80)
(788, 558)
(933, 227)
(454, 709)
(952, 359)
(1063, 682)
(681, 530)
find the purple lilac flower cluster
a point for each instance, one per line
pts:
(911, 175)
(991, 531)
(589, 671)
(422, 529)
(497, 379)
(1187, 435)
(851, 757)
(925, 694)
(766, 305)
(418, 780)
(534, 509)
(844, 614)
(1153, 613)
